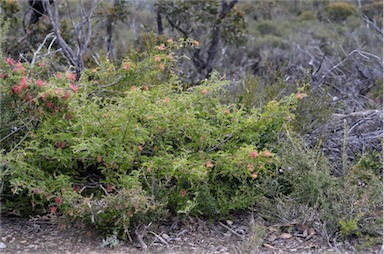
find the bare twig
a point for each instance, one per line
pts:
(319, 67)
(361, 53)
(221, 143)
(373, 24)
(159, 237)
(140, 235)
(173, 24)
(75, 59)
(230, 229)
(37, 52)
(105, 191)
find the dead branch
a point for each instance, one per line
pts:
(83, 35)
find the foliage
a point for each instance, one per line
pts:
(311, 113)
(374, 10)
(305, 190)
(127, 143)
(339, 11)
(307, 15)
(27, 98)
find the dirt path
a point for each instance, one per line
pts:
(24, 236)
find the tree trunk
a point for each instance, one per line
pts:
(159, 23)
(110, 22)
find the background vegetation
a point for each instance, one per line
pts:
(120, 113)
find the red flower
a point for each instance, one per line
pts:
(58, 200)
(24, 83)
(40, 83)
(161, 47)
(267, 153)
(254, 175)
(60, 144)
(19, 67)
(76, 188)
(210, 164)
(44, 97)
(36, 191)
(300, 96)
(10, 61)
(53, 209)
(66, 96)
(157, 58)
(183, 192)
(110, 188)
(72, 77)
(254, 154)
(17, 89)
(49, 104)
(58, 75)
(74, 88)
(204, 91)
(250, 166)
(127, 66)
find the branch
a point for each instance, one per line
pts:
(226, 8)
(230, 229)
(320, 64)
(75, 59)
(374, 25)
(36, 53)
(185, 33)
(54, 18)
(221, 143)
(159, 22)
(216, 35)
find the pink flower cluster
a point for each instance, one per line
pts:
(23, 85)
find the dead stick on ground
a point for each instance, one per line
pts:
(230, 229)
(140, 235)
(159, 237)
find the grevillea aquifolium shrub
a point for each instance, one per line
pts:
(126, 144)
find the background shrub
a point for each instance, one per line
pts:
(340, 11)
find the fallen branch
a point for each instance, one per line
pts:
(230, 229)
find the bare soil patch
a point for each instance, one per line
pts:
(21, 235)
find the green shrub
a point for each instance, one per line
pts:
(305, 189)
(266, 27)
(126, 144)
(340, 11)
(307, 15)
